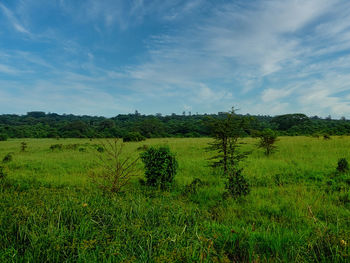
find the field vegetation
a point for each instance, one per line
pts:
(298, 208)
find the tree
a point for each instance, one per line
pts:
(287, 121)
(267, 140)
(116, 169)
(226, 131)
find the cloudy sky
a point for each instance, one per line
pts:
(105, 57)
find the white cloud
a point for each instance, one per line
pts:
(13, 20)
(266, 56)
(270, 95)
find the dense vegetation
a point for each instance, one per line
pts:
(131, 126)
(298, 208)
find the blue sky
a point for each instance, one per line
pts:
(105, 57)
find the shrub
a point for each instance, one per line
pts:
(3, 137)
(115, 170)
(267, 140)
(56, 147)
(100, 149)
(82, 149)
(8, 158)
(343, 165)
(160, 166)
(326, 137)
(236, 184)
(192, 188)
(133, 137)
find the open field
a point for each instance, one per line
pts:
(297, 210)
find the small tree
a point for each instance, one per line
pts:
(24, 146)
(267, 140)
(226, 131)
(116, 169)
(160, 166)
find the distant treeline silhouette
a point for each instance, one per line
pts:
(37, 124)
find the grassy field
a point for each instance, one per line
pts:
(298, 210)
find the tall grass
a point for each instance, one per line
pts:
(50, 211)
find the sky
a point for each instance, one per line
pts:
(109, 57)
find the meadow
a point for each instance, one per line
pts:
(298, 209)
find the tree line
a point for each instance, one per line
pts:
(37, 124)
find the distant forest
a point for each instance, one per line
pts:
(38, 124)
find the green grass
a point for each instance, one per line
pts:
(298, 210)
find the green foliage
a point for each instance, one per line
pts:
(49, 212)
(3, 137)
(52, 125)
(114, 169)
(343, 165)
(315, 135)
(160, 166)
(143, 147)
(326, 137)
(56, 147)
(287, 121)
(236, 184)
(133, 137)
(3, 173)
(100, 149)
(8, 157)
(267, 140)
(226, 133)
(24, 146)
(192, 188)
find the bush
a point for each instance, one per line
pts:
(237, 185)
(3, 137)
(133, 137)
(8, 158)
(56, 147)
(100, 149)
(343, 165)
(160, 166)
(326, 137)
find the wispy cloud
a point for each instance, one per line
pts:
(15, 23)
(268, 57)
